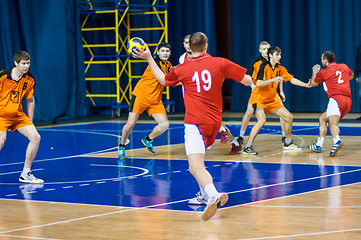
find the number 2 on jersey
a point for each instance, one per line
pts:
(339, 74)
(206, 80)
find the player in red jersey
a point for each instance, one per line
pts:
(336, 77)
(202, 78)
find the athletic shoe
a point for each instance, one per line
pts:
(213, 204)
(249, 151)
(198, 200)
(314, 148)
(224, 137)
(235, 149)
(240, 140)
(337, 146)
(291, 146)
(121, 152)
(30, 178)
(148, 144)
(283, 139)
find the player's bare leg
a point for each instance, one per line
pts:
(245, 120)
(204, 179)
(333, 121)
(158, 130)
(32, 134)
(317, 146)
(2, 139)
(283, 123)
(261, 120)
(128, 127)
(288, 117)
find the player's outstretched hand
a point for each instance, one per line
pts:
(316, 68)
(142, 54)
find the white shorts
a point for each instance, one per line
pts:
(193, 140)
(332, 108)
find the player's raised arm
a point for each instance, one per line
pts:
(262, 83)
(297, 82)
(146, 55)
(247, 80)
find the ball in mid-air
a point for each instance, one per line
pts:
(135, 42)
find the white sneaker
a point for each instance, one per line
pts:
(213, 204)
(198, 200)
(30, 178)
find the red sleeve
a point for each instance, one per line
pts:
(171, 79)
(234, 71)
(319, 77)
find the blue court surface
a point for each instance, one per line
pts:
(72, 176)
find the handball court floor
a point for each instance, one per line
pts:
(90, 194)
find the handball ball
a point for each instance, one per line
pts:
(135, 42)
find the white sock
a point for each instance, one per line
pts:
(288, 141)
(336, 139)
(320, 141)
(241, 133)
(203, 193)
(211, 190)
(222, 129)
(283, 134)
(235, 142)
(25, 170)
(249, 144)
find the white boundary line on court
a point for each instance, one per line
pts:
(27, 237)
(179, 201)
(303, 234)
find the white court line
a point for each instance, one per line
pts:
(304, 234)
(91, 216)
(33, 170)
(164, 204)
(285, 183)
(26, 237)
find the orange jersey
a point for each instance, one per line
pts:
(269, 92)
(12, 92)
(253, 71)
(148, 88)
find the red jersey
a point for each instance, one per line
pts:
(336, 78)
(202, 78)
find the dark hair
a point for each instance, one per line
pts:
(21, 55)
(164, 44)
(198, 41)
(329, 56)
(272, 50)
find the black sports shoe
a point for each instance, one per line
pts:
(240, 140)
(283, 139)
(249, 151)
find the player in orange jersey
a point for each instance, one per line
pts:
(16, 83)
(270, 74)
(147, 95)
(254, 97)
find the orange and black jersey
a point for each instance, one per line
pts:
(266, 72)
(12, 92)
(148, 87)
(254, 67)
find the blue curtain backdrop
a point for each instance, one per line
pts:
(50, 31)
(303, 29)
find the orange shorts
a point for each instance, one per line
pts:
(139, 105)
(271, 106)
(254, 98)
(14, 123)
